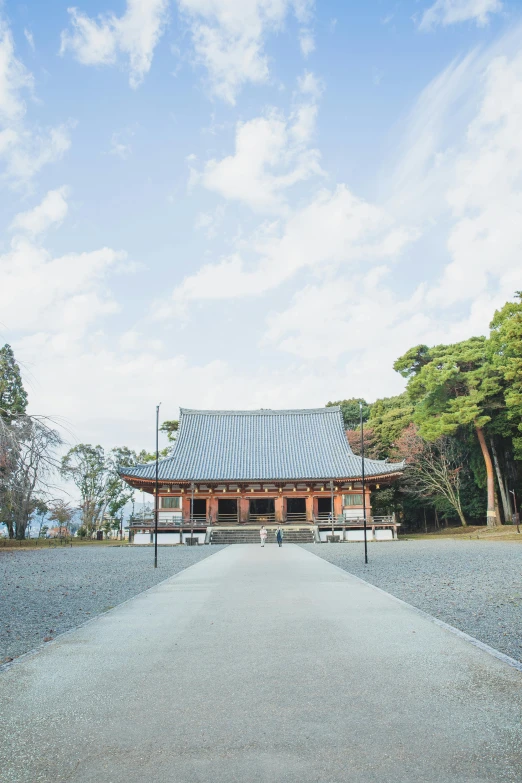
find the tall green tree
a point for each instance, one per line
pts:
(95, 474)
(388, 419)
(505, 354)
(454, 387)
(171, 428)
(350, 410)
(13, 397)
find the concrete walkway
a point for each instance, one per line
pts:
(261, 665)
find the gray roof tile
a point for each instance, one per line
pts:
(262, 445)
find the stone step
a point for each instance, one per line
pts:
(252, 537)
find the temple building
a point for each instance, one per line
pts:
(232, 470)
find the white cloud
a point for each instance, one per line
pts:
(306, 42)
(29, 38)
(134, 34)
(334, 230)
(121, 145)
(64, 294)
(466, 172)
(14, 77)
(209, 222)
(229, 38)
(51, 211)
(485, 192)
(446, 12)
(309, 84)
(270, 156)
(363, 318)
(24, 149)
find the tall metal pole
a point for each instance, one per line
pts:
(363, 488)
(191, 513)
(156, 499)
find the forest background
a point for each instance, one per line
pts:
(457, 426)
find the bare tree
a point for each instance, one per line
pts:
(62, 513)
(27, 461)
(434, 468)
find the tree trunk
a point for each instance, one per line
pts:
(501, 485)
(491, 515)
(462, 518)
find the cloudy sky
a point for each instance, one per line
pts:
(250, 203)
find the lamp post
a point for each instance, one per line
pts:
(364, 493)
(192, 513)
(156, 500)
(516, 519)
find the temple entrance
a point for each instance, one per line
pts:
(295, 509)
(324, 507)
(262, 510)
(200, 509)
(227, 511)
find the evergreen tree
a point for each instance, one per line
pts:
(351, 411)
(505, 353)
(455, 387)
(171, 428)
(13, 397)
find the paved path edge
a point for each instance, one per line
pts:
(451, 628)
(5, 666)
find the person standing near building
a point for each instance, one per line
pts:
(262, 535)
(279, 536)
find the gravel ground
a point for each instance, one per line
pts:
(44, 593)
(475, 586)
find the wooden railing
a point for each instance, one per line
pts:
(262, 518)
(296, 517)
(227, 519)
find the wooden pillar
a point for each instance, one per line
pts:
(213, 508)
(278, 508)
(244, 509)
(338, 506)
(185, 509)
(309, 508)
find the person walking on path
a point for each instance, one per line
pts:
(263, 534)
(279, 536)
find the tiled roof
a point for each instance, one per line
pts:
(262, 445)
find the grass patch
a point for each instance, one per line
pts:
(503, 533)
(51, 543)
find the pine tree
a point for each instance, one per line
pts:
(454, 387)
(506, 357)
(13, 397)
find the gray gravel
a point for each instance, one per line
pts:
(475, 586)
(44, 593)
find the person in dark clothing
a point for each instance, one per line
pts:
(279, 536)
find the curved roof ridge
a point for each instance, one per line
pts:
(259, 411)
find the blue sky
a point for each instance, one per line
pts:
(250, 203)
